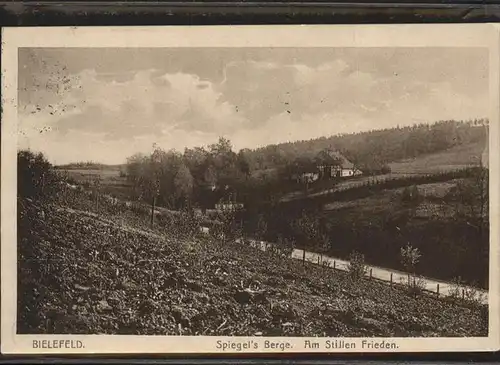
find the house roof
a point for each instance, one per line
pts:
(346, 164)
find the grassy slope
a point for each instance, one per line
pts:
(105, 277)
(384, 199)
(111, 181)
(455, 158)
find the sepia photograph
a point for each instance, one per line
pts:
(320, 192)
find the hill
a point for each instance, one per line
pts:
(122, 277)
(373, 149)
(455, 158)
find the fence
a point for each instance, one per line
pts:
(440, 290)
(359, 188)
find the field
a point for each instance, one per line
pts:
(112, 182)
(455, 158)
(384, 198)
(107, 272)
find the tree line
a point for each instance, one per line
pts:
(373, 150)
(203, 176)
(200, 175)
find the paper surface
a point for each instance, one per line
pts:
(103, 94)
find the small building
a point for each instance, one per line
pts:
(328, 164)
(334, 164)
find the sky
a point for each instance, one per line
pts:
(105, 104)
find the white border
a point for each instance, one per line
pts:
(424, 35)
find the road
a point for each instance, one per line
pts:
(383, 274)
(379, 273)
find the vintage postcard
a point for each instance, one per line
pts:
(250, 189)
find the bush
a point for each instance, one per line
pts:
(283, 248)
(411, 195)
(356, 268)
(386, 169)
(416, 286)
(466, 294)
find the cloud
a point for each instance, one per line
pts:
(338, 89)
(148, 104)
(251, 97)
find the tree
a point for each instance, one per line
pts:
(243, 164)
(142, 173)
(183, 183)
(135, 169)
(410, 257)
(35, 175)
(261, 228)
(222, 147)
(196, 160)
(224, 161)
(356, 267)
(307, 228)
(470, 203)
(210, 177)
(471, 200)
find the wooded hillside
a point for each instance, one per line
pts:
(375, 148)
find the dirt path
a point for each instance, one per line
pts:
(379, 273)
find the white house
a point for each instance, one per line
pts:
(339, 167)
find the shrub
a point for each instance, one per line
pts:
(473, 296)
(356, 268)
(411, 195)
(416, 286)
(455, 291)
(386, 169)
(283, 248)
(459, 292)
